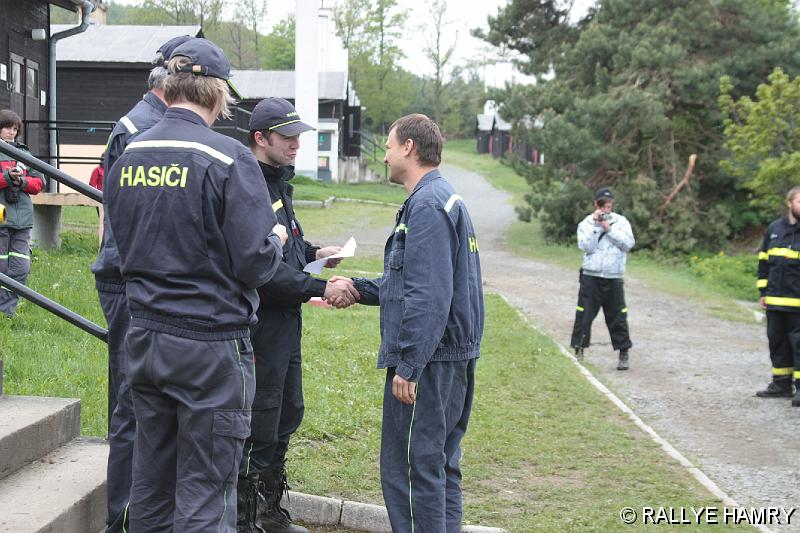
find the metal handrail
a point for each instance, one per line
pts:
(51, 171)
(28, 293)
(57, 309)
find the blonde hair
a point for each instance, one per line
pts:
(794, 191)
(206, 91)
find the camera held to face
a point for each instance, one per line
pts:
(602, 217)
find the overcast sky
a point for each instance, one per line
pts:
(463, 15)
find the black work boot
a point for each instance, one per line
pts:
(623, 360)
(247, 520)
(777, 389)
(579, 354)
(796, 399)
(271, 487)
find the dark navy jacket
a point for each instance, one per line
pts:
(290, 286)
(193, 224)
(431, 294)
(779, 266)
(144, 115)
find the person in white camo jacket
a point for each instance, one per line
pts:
(605, 238)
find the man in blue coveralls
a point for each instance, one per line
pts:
(431, 299)
(111, 292)
(189, 212)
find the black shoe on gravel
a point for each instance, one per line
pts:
(777, 390)
(796, 400)
(623, 360)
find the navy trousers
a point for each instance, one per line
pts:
(609, 294)
(192, 401)
(121, 419)
(421, 449)
(15, 262)
(278, 405)
(783, 333)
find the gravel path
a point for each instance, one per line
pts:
(692, 375)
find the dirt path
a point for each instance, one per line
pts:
(692, 375)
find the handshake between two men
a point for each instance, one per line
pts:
(339, 291)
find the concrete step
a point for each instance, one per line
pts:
(64, 492)
(31, 427)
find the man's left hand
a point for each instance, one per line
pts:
(605, 224)
(328, 251)
(405, 391)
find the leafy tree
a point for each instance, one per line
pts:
(278, 46)
(763, 139)
(438, 53)
(627, 94)
(371, 29)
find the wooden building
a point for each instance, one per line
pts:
(24, 64)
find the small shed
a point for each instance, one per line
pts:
(483, 133)
(501, 137)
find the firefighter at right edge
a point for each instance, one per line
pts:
(779, 284)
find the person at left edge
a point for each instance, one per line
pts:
(17, 184)
(196, 235)
(111, 293)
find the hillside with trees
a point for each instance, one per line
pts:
(628, 93)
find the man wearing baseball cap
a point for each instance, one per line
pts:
(196, 236)
(605, 238)
(111, 293)
(277, 412)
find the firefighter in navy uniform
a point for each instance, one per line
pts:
(278, 406)
(779, 285)
(196, 236)
(111, 293)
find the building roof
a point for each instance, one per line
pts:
(117, 43)
(258, 84)
(485, 122)
(72, 5)
(501, 125)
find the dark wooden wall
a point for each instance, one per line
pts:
(17, 19)
(97, 92)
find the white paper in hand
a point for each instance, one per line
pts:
(348, 250)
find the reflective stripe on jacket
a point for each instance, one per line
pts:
(779, 266)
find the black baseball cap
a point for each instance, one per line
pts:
(165, 51)
(603, 193)
(207, 59)
(277, 114)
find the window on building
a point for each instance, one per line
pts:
(32, 83)
(16, 77)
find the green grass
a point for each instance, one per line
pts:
(309, 189)
(462, 153)
(342, 219)
(532, 461)
(45, 356)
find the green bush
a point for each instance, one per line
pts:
(735, 274)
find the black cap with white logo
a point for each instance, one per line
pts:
(277, 114)
(603, 193)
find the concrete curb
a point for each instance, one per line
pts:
(695, 472)
(318, 510)
(326, 204)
